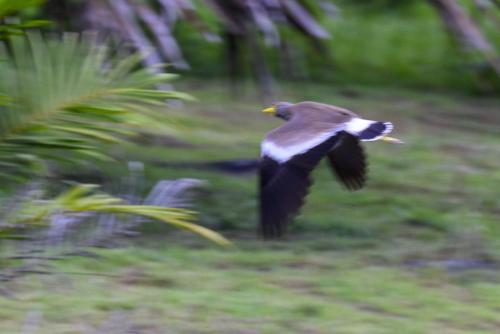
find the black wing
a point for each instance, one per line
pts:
(348, 162)
(284, 186)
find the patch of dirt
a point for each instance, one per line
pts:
(136, 276)
(378, 310)
(301, 286)
(453, 264)
(303, 264)
(420, 223)
(297, 284)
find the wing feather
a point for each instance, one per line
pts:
(284, 187)
(348, 162)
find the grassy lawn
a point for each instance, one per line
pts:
(258, 289)
(414, 252)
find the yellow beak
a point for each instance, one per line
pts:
(391, 140)
(271, 110)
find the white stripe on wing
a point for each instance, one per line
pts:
(357, 125)
(282, 154)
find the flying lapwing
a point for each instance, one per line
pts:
(290, 152)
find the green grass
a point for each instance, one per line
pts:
(372, 261)
(257, 289)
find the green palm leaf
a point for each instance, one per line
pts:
(64, 99)
(82, 198)
(71, 96)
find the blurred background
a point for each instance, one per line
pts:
(129, 142)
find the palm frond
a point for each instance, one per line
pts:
(84, 198)
(14, 26)
(8, 7)
(66, 97)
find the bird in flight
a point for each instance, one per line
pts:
(290, 152)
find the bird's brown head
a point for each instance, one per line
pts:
(280, 109)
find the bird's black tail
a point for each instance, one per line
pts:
(375, 131)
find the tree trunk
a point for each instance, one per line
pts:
(261, 72)
(163, 35)
(466, 31)
(234, 62)
(124, 14)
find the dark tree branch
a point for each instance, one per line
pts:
(465, 30)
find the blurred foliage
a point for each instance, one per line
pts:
(388, 42)
(82, 198)
(373, 43)
(15, 26)
(62, 99)
(8, 7)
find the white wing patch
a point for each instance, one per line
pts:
(388, 129)
(356, 125)
(282, 154)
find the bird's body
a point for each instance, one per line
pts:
(291, 151)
